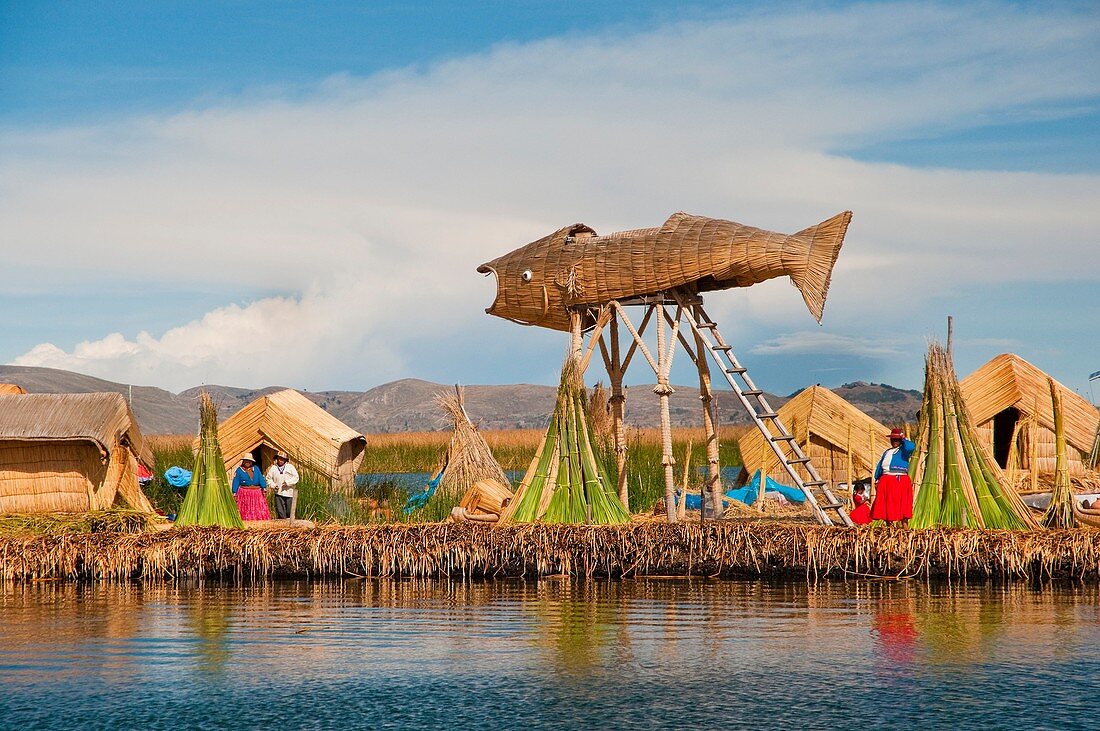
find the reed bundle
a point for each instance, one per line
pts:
(959, 484)
(95, 521)
(209, 499)
(566, 481)
(716, 548)
(468, 462)
(1059, 513)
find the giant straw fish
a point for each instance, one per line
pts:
(538, 283)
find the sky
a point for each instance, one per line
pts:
(251, 194)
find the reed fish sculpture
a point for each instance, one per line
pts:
(539, 283)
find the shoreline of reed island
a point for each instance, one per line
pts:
(715, 549)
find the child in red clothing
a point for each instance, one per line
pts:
(861, 513)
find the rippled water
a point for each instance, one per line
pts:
(549, 654)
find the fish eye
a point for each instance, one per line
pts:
(527, 275)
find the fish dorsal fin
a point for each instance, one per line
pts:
(675, 220)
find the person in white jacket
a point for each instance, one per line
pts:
(282, 477)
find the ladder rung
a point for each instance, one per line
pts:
(783, 438)
(736, 370)
(815, 483)
(767, 415)
(800, 460)
(710, 325)
(722, 347)
(831, 506)
(752, 392)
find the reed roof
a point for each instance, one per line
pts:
(818, 412)
(1009, 381)
(102, 418)
(289, 421)
(7, 389)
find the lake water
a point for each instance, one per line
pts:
(549, 654)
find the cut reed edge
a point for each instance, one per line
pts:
(720, 548)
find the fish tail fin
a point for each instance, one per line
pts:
(823, 246)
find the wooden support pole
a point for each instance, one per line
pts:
(848, 470)
(576, 336)
(663, 391)
(710, 421)
(615, 373)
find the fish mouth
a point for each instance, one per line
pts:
(487, 270)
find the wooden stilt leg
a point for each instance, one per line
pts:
(663, 391)
(618, 409)
(576, 344)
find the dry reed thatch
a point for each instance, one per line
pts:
(288, 421)
(574, 266)
(469, 459)
(827, 427)
(716, 548)
(11, 389)
(69, 453)
(1009, 382)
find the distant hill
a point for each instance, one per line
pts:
(409, 404)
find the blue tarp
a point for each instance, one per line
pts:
(177, 477)
(747, 494)
(420, 499)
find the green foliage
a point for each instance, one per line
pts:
(164, 497)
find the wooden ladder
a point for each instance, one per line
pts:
(826, 507)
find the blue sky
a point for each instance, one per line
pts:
(256, 193)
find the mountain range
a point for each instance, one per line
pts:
(409, 404)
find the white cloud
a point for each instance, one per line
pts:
(816, 342)
(372, 201)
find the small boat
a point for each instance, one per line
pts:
(1086, 517)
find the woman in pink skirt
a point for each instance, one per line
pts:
(249, 486)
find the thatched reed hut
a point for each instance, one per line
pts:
(69, 453)
(290, 422)
(827, 428)
(11, 389)
(1009, 400)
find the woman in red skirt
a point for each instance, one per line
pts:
(893, 490)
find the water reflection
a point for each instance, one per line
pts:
(677, 650)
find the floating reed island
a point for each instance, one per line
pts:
(463, 550)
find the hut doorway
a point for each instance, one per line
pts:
(1004, 429)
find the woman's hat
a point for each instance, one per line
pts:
(281, 455)
(248, 458)
(897, 434)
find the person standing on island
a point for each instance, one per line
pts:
(893, 490)
(249, 486)
(282, 477)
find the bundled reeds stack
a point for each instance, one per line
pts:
(468, 463)
(209, 499)
(958, 483)
(566, 481)
(1059, 513)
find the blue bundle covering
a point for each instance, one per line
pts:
(747, 494)
(177, 477)
(420, 499)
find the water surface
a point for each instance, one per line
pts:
(549, 654)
